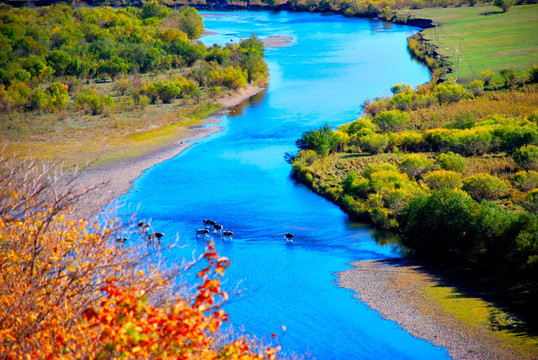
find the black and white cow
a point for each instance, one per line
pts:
(289, 238)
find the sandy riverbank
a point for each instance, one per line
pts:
(115, 179)
(398, 290)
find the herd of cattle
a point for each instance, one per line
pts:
(217, 229)
(154, 238)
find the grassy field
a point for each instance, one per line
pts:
(482, 37)
(75, 137)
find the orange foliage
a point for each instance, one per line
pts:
(68, 291)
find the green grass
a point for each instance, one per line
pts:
(484, 38)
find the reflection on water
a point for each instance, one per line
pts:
(238, 177)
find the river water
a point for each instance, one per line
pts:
(239, 178)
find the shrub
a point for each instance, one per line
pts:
(448, 93)
(89, 98)
(476, 87)
(399, 88)
(357, 125)
(391, 120)
(234, 77)
(486, 76)
(443, 179)
(354, 185)
(168, 91)
(484, 186)
(476, 141)
(463, 121)
(409, 141)
(415, 164)
(530, 202)
(525, 180)
(451, 161)
(533, 74)
(510, 77)
(373, 143)
(527, 157)
(513, 137)
(437, 223)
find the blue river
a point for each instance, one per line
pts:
(238, 177)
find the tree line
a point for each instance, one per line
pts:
(452, 169)
(50, 55)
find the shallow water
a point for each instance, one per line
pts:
(238, 177)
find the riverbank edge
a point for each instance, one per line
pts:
(115, 179)
(398, 289)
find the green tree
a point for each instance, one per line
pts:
(322, 140)
(190, 22)
(154, 9)
(505, 5)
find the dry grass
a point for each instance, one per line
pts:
(76, 137)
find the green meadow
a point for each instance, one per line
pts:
(482, 37)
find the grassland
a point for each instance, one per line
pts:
(126, 131)
(482, 37)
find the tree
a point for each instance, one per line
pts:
(69, 289)
(322, 140)
(190, 22)
(505, 5)
(154, 9)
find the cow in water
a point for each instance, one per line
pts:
(289, 238)
(208, 223)
(228, 234)
(218, 228)
(202, 232)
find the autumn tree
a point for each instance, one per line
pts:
(74, 288)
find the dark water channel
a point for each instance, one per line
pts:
(238, 177)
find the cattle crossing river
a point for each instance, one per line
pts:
(238, 177)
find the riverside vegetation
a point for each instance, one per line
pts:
(133, 76)
(451, 168)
